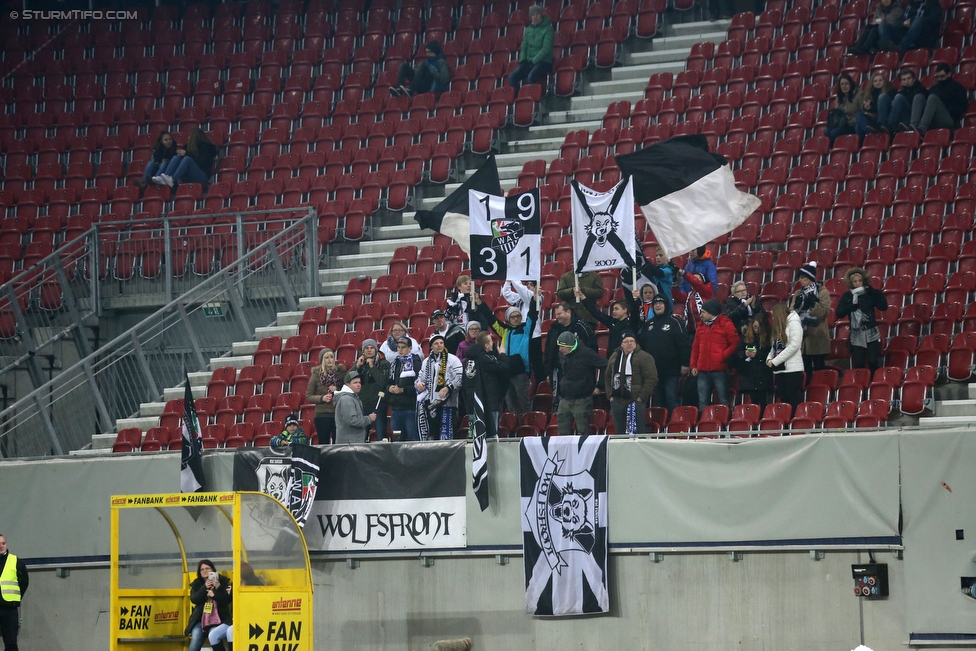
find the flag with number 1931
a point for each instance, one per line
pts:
(506, 236)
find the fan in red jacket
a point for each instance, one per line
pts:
(715, 342)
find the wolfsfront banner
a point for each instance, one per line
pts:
(564, 524)
(603, 227)
(506, 236)
(290, 475)
(377, 497)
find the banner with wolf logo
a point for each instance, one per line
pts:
(506, 236)
(290, 475)
(603, 227)
(564, 524)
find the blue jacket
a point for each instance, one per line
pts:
(515, 340)
(703, 266)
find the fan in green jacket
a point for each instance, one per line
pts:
(535, 57)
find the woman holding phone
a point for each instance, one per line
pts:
(210, 594)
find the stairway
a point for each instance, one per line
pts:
(640, 59)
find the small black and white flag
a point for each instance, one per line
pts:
(450, 216)
(687, 193)
(484, 427)
(290, 475)
(603, 227)
(191, 462)
(506, 236)
(564, 524)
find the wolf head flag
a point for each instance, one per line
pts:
(687, 194)
(450, 216)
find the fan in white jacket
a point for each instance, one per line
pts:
(438, 386)
(786, 356)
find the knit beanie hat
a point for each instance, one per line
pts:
(510, 311)
(435, 47)
(809, 270)
(712, 306)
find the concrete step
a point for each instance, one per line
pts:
(387, 247)
(513, 159)
(945, 421)
(237, 361)
(409, 229)
(328, 300)
(275, 331)
(142, 422)
(91, 453)
(944, 408)
(700, 28)
(546, 131)
(289, 318)
(103, 441)
(593, 114)
(243, 348)
(533, 146)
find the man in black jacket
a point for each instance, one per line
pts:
(577, 368)
(13, 585)
(404, 370)
(664, 337)
(618, 321)
(946, 104)
(486, 370)
(565, 320)
(895, 113)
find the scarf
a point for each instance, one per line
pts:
(431, 405)
(405, 365)
(328, 377)
(692, 311)
(622, 378)
(632, 419)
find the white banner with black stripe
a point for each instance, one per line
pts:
(564, 524)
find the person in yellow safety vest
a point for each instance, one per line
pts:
(13, 586)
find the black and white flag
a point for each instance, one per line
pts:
(506, 236)
(603, 227)
(191, 462)
(290, 475)
(564, 524)
(687, 193)
(484, 427)
(450, 217)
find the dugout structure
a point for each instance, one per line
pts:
(157, 543)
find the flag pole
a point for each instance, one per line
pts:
(576, 284)
(634, 269)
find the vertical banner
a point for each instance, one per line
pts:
(603, 227)
(564, 524)
(506, 236)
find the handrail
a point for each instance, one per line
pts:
(61, 414)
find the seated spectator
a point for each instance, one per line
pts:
(741, 306)
(812, 303)
(397, 331)
(866, 118)
(163, 152)
(664, 338)
(884, 31)
(860, 303)
(577, 384)
(715, 343)
(946, 104)
(431, 76)
(293, 434)
(630, 380)
(194, 164)
(591, 284)
(895, 112)
(841, 118)
(923, 22)
(755, 377)
(535, 57)
(786, 358)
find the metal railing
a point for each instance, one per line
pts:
(62, 414)
(132, 264)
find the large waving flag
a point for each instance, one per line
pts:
(687, 193)
(603, 227)
(191, 464)
(450, 216)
